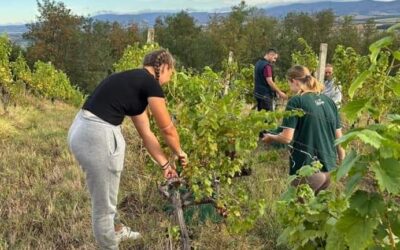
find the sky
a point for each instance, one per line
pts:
(25, 11)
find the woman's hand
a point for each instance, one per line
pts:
(267, 139)
(183, 158)
(169, 172)
(282, 95)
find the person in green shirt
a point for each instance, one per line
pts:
(312, 135)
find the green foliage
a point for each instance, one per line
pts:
(380, 152)
(82, 47)
(363, 221)
(21, 70)
(347, 65)
(347, 34)
(133, 56)
(218, 132)
(388, 175)
(375, 83)
(8, 88)
(86, 49)
(185, 39)
(308, 219)
(5, 71)
(213, 119)
(354, 108)
(357, 229)
(347, 164)
(306, 57)
(46, 80)
(54, 84)
(244, 83)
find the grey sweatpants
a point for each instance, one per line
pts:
(99, 147)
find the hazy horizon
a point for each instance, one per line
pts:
(25, 11)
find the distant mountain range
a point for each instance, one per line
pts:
(368, 8)
(148, 19)
(360, 10)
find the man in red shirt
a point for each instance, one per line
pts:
(265, 89)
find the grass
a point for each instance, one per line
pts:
(44, 203)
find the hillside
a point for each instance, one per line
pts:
(357, 8)
(44, 203)
(360, 9)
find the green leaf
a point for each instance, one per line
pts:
(385, 151)
(370, 137)
(394, 85)
(353, 182)
(306, 171)
(345, 139)
(394, 117)
(357, 230)
(396, 55)
(394, 27)
(283, 238)
(289, 195)
(353, 108)
(367, 204)
(394, 218)
(347, 164)
(374, 54)
(387, 172)
(367, 136)
(376, 47)
(335, 241)
(358, 82)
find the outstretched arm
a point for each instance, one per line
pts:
(273, 86)
(285, 137)
(151, 143)
(163, 120)
(340, 150)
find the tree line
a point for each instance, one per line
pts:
(86, 49)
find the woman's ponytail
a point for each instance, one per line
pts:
(302, 74)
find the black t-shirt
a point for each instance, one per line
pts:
(122, 94)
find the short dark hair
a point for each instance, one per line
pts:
(272, 50)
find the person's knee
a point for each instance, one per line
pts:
(316, 181)
(327, 181)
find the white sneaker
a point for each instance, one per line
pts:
(126, 234)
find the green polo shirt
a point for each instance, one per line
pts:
(314, 134)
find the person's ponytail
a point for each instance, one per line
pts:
(308, 82)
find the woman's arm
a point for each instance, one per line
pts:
(151, 143)
(285, 137)
(163, 120)
(340, 150)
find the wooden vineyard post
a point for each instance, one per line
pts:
(150, 35)
(228, 77)
(323, 50)
(177, 203)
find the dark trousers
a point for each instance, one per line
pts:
(267, 103)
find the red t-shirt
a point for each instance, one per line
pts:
(268, 71)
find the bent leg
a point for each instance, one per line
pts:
(100, 152)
